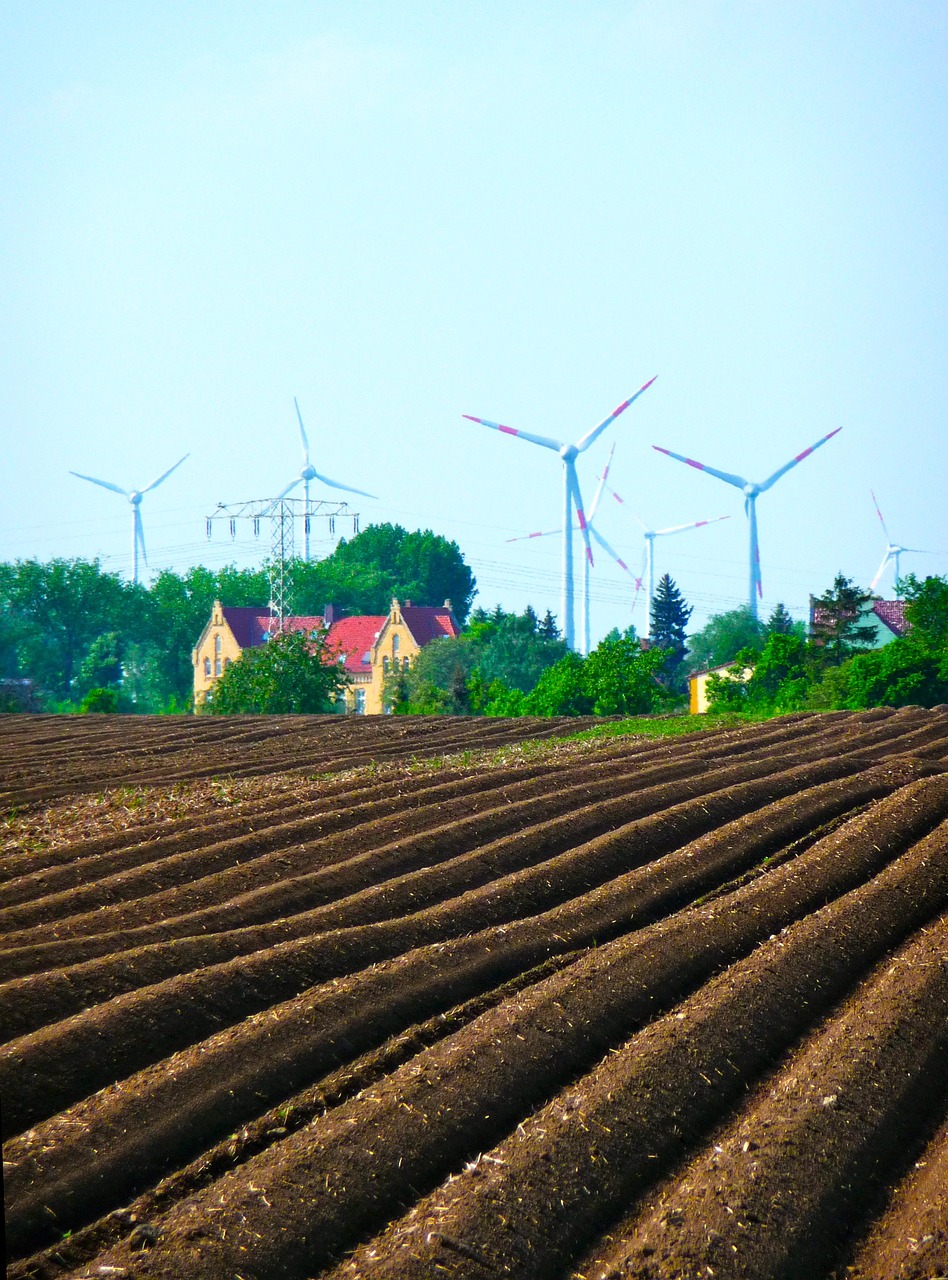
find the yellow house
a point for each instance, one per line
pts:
(369, 647)
(698, 686)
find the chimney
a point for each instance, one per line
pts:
(329, 614)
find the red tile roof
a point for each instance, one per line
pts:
(892, 613)
(308, 624)
(355, 637)
(427, 623)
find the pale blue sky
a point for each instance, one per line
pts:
(401, 213)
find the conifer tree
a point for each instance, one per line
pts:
(836, 626)
(779, 623)
(670, 615)
(548, 630)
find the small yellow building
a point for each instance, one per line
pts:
(698, 686)
(370, 646)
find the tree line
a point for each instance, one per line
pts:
(89, 640)
(78, 632)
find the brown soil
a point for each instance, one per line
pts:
(546, 1012)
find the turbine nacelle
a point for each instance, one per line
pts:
(751, 492)
(572, 497)
(135, 497)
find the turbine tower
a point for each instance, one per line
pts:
(892, 552)
(307, 473)
(751, 491)
(591, 526)
(571, 494)
(135, 498)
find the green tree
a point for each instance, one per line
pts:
(722, 637)
(102, 665)
(291, 674)
(100, 702)
(56, 611)
(670, 616)
(421, 566)
(621, 678)
(926, 610)
(561, 690)
(837, 629)
(780, 623)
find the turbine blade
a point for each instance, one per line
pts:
(334, 484)
(879, 514)
(737, 481)
(788, 466)
(106, 484)
(547, 533)
(302, 434)
(155, 483)
(546, 441)
(609, 551)
(282, 494)
(586, 440)
(140, 534)
(881, 570)
(680, 528)
(573, 481)
(602, 484)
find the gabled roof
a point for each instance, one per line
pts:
(892, 613)
(355, 637)
(427, 623)
(249, 624)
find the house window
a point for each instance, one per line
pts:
(207, 666)
(395, 646)
(217, 666)
(217, 644)
(405, 662)
(385, 664)
(360, 702)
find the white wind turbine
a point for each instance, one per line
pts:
(751, 491)
(591, 526)
(135, 498)
(650, 535)
(571, 494)
(307, 473)
(892, 552)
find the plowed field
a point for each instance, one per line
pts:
(313, 997)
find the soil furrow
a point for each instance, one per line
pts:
(327, 1186)
(180, 911)
(624, 981)
(306, 842)
(909, 1241)
(772, 1193)
(29, 1003)
(109, 1041)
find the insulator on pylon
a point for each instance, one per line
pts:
(233, 528)
(332, 524)
(355, 524)
(209, 525)
(256, 526)
(306, 523)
